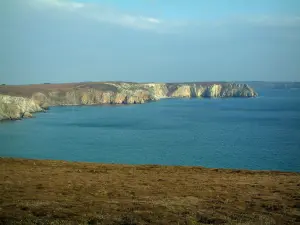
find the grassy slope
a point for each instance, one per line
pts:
(28, 90)
(84, 193)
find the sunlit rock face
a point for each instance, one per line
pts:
(20, 101)
(17, 107)
(158, 90)
(183, 91)
(223, 90)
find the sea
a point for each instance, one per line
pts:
(260, 133)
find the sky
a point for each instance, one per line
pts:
(58, 41)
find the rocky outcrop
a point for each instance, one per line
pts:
(94, 97)
(34, 98)
(14, 108)
(223, 90)
(158, 90)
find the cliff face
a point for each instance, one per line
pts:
(224, 90)
(17, 107)
(117, 94)
(133, 93)
(35, 98)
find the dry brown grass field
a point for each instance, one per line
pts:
(59, 192)
(28, 90)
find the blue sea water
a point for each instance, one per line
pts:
(256, 133)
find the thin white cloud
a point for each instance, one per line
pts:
(100, 13)
(104, 14)
(59, 4)
(151, 20)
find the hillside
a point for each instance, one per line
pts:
(59, 192)
(41, 96)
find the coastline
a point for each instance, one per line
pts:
(60, 192)
(17, 102)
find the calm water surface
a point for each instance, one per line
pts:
(258, 133)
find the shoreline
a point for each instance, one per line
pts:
(45, 110)
(20, 101)
(62, 192)
(233, 170)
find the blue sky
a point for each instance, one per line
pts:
(149, 40)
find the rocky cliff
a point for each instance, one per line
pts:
(33, 98)
(218, 90)
(17, 107)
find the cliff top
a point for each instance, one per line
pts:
(28, 90)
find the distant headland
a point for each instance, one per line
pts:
(18, 101)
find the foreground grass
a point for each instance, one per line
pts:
(58, 192)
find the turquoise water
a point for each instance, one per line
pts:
(256, 133)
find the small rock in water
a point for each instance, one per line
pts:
(27, 115)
